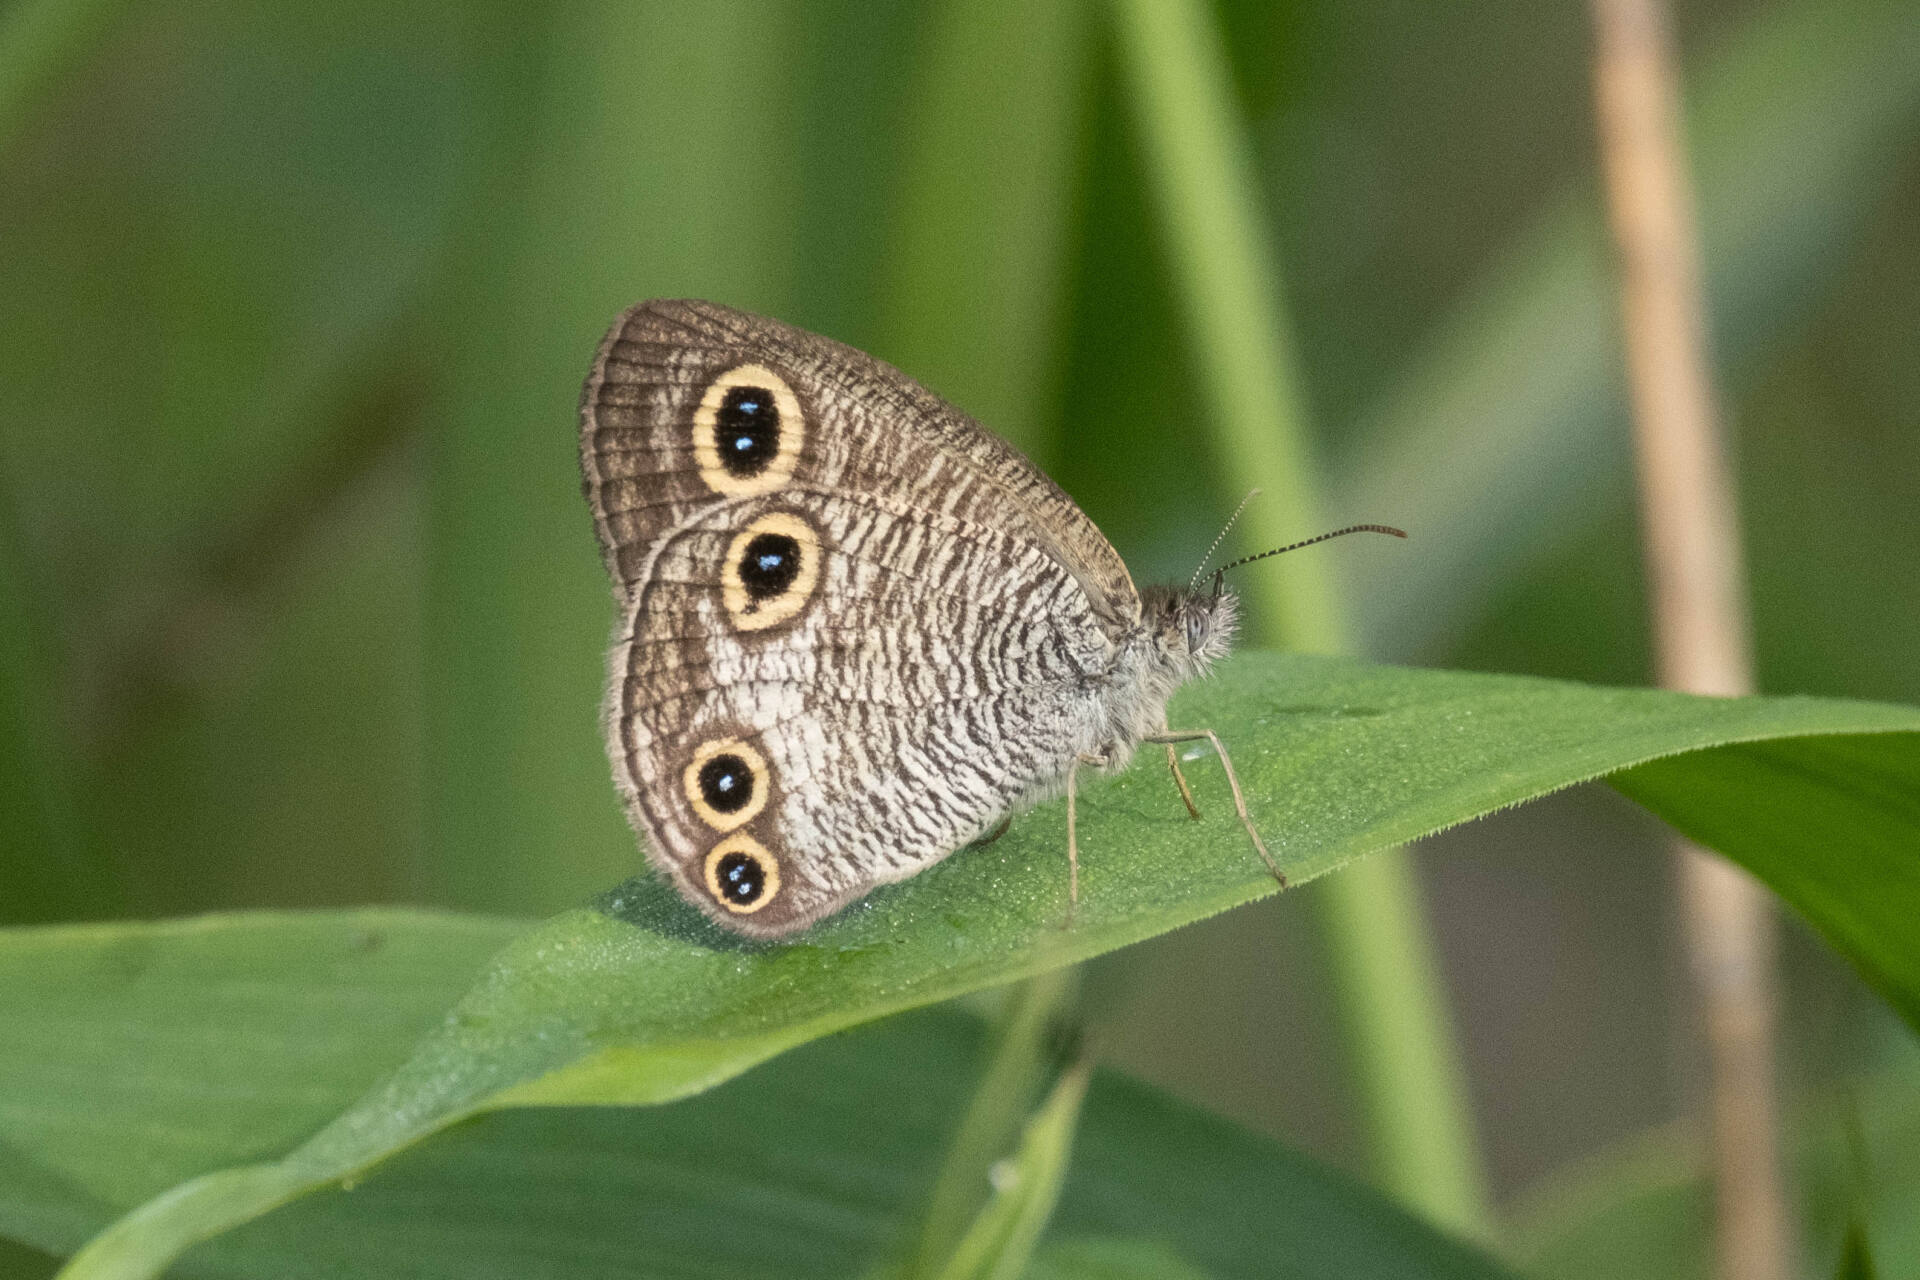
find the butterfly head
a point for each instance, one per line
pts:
(1191, 629)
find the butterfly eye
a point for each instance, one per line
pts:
(741, 875)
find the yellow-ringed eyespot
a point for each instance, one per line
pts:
(741, 875)
(747, 432)
(726, 783)
(770, 571)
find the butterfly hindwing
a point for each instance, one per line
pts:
(901, 689)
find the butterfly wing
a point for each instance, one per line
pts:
(853, 634)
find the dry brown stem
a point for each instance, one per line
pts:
(1696, 584)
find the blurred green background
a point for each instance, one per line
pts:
(299, 603)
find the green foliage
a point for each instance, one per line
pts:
(641, 1000)
(1641, 1211)
(298, 605)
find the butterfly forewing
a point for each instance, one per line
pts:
(863, 427)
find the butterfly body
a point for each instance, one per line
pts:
(856, 630)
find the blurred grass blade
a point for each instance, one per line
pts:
(1410, 1083)
(46, 868)
(1108, 1258)
(1227, 283)
(1016, 1065)
(223, 1035)
(641, 1000)
(970, 291)
(972, 284)
(1026, 1186)
(616, 209)
(1640, 1210)
(969, 295)
(1856, 1254)
(1508, 429)
(39, 40)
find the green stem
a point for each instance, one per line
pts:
(1229, 292)
(973, 281)
(1017, 1064)
(1000, 1242)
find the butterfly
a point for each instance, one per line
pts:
(857, 631)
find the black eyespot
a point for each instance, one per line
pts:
(746, 431)
(726, 783)
(769, 565)
(741, 878)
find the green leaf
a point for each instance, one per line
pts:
(138, 1055)
(235, 1028)
(641, 1000)
(1828, 823)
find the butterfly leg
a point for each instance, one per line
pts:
(1073, 834)
(1239, 800)
(1180, 781)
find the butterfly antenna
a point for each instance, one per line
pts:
(1202, 567)
(1337, 533)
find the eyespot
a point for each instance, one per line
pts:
(726, 783)
(747, 432)
(741, 875)
(770, 571)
